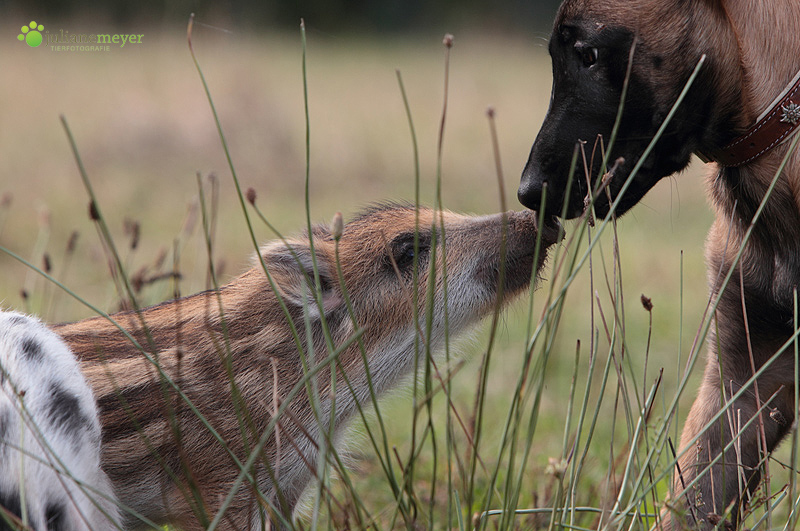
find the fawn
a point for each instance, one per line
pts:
(174, 457)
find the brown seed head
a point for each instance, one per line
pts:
(337, 226)
(647, 303)
(132, 229)
(715, 520)
(251, 196)
(138, 280)
(72, 243)
(94, 215)
(161, 257)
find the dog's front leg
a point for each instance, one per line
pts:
(730, 430)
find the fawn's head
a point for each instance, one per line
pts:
(392, 256)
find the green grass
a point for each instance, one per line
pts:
(144, 129)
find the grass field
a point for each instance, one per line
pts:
(145, 131)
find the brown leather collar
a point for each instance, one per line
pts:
(771, 128)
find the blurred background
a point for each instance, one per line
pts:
(363, 17)
(146, 136)
(144, 128)
(145, 131)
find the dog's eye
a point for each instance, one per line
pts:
(588, 56)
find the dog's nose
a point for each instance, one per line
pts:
(531, 186)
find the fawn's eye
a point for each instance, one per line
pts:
(404, 257)
(588, 55)
(404, 250)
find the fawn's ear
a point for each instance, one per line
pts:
(292, 268)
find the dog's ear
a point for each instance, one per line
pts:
(291, 265)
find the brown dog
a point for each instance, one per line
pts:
(752, 55)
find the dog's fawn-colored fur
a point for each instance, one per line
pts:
(749, 52)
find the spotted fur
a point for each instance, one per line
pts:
(49, 435)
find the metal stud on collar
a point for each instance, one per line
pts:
(791, 113)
